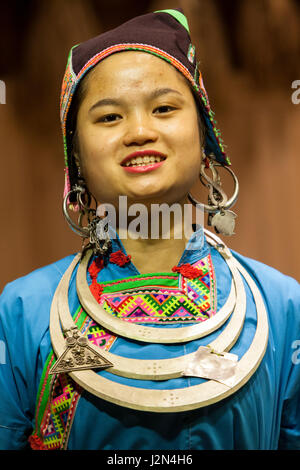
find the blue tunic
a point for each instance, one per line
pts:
(263, 414)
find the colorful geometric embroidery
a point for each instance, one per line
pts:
(57, 400)
(153, 298)
(94, 332)
(191, 53)
(69, 80)
(162, 298)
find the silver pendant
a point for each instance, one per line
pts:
(78, 355)
(224, 222)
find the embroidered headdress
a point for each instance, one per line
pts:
(163, 33)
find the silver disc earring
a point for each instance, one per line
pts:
(219, 215)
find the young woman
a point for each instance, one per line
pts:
(164, 341)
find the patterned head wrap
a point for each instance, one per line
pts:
(165, 34)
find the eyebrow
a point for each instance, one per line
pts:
(115, 102)
(163, 91)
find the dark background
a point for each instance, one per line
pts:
(249, 52)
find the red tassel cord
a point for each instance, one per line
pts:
(119, 258)
(94, 270)
(187, 270)
(36, 443)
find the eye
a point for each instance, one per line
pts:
(110, 118)
(163, 109)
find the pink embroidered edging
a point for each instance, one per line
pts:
(70, 419)
(36, 443)
(213, 290)
(145, 291)
(47, 415)
(121, 46)
(42, 391)
(145, 278)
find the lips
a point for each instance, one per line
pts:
(143, 153)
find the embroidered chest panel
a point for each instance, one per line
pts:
(154, 299)
(163, 298)
(149, 299)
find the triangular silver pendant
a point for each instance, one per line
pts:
(78, 355)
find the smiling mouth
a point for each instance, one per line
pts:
(143, 160)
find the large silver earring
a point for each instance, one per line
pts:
(95, 231)
(219, 215)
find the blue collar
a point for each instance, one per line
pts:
(196, 248)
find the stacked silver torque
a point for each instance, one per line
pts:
(77, 357)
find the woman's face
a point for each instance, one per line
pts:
(137, 105)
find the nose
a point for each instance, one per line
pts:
(140, 130)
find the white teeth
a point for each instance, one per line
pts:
(140, 161)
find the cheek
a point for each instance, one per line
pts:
(184, 132)
(95, 155)
(188, 144)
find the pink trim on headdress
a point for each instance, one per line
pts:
(67, 187)
(69, 88)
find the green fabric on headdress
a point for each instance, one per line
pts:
(180, 17)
